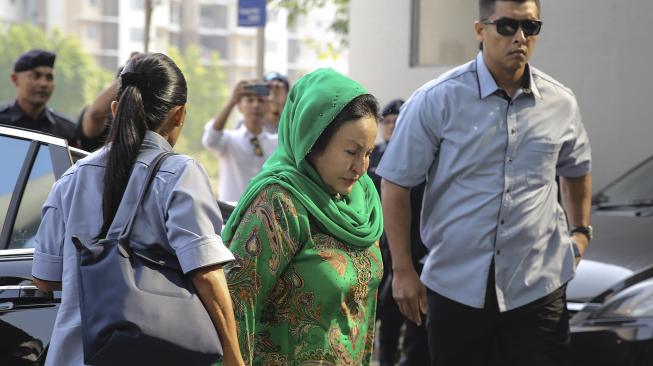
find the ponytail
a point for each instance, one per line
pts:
(150, 86)
(126, 136)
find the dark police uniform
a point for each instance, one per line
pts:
(49, 121)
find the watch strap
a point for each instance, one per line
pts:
(585, 230)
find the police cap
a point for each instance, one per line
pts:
(34, 58)
(392, 107)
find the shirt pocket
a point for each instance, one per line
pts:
(541, 161)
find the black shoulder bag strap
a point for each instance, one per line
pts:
(123, 239)
(151, 174)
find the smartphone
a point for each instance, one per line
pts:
(262, 89)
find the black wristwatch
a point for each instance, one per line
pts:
(585, 230)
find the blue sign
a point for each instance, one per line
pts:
(251, 13)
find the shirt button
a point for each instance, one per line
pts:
(498, 252)
(508, 190)
(503, 221)
(509, 160)
(512, 131)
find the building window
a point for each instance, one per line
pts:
(175, 40)
(175, 12)
(442, 32)
(213, 16)
(136, 34)
(214, 43)
(91, 32)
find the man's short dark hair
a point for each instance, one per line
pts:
(486, 7)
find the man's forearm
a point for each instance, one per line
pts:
(576, 196)
(93, 122)
(396, 217)
(221, 119)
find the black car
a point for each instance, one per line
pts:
(30, 163)
(611, 296)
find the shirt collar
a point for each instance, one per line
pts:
(17, 113)
(487, 85)
(531, 84)
(249, 134)
(153, 140)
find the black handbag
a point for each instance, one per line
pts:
(138, 308)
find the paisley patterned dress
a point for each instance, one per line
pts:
(300, 296)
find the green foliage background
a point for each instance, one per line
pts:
(207, 92)
(79, 80)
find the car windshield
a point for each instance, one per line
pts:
(635, 188)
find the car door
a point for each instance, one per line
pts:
(30, 163)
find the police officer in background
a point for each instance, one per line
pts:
(34, 80)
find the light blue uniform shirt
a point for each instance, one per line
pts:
(179, 215)
(490, 166)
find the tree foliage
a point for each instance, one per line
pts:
(78, 79)
(207, 92)
(339, 26)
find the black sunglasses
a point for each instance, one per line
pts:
(509, 26)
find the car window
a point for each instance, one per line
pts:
(38, 186)
(12, 156)
(635, 187)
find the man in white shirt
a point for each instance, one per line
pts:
(241, 151)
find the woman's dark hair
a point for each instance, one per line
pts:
(359, 107)
(150, 85)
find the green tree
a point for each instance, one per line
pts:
(339, 26)
(78, 79)
(207, 92)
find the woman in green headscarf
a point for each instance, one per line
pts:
(305, 233)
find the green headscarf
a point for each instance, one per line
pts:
(313, 103)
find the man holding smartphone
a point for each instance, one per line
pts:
(242, 151)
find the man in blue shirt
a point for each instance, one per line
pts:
(489, 138)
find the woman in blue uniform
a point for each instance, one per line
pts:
(179, 215)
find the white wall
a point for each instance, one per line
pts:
(600, 49)
(379, 49)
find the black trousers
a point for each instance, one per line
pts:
(536, 334)
(415, 345)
